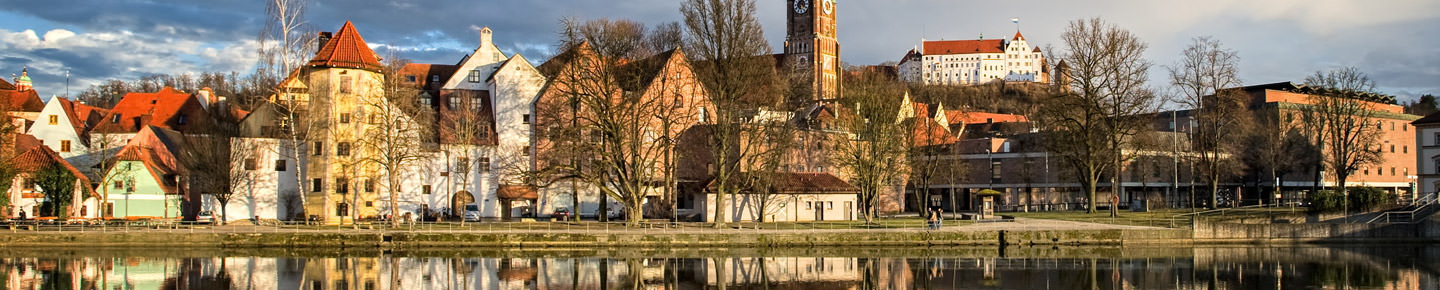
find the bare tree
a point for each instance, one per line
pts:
(219, 164)
(764, 178)
(1205, 76)
(395, 133)
(1344, 113)
(875, 154)
(927, 140)
(1100, 104)
(603, 116)
(283, 45)
(727, 38)
(8, 151)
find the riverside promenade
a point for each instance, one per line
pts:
(1020, 231)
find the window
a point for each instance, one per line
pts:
(249, 163)
(54, 120)
(1392, 171)
(995, 171)
(434, 78)
(463, 163)
(474, 76)
(342, 185)
(280, 165)
(809, 205)
(829, 205)
(119, 185)
(410, 78)
(525, 149)
(344, 118)
(181, 120)
(64, 145)
(525, 119)
(316, 184)
(342, 209)
(371, 203)
(318, 148)
(342, 149)
(116, 119)
(485, 164)
(1405, 149)
(425, 189)
(369, 185)
(345, 84)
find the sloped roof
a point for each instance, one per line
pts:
(1018, 36)
(423, 71)
(964, 46)
(348, 50)
(1432, 118)
(4, 85)
(637, 75)
(26, 101)
(154, 109)
(928, 132)
(75, 121)
(153, 165)
(552, 66)
(517, 192)
(36, 158)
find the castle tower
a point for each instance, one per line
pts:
(811, 45)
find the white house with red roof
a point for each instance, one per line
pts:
(60, 128)
(26, 198)
(977, 61)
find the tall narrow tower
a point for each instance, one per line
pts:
(811, 46)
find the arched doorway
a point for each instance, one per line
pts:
(458, 202)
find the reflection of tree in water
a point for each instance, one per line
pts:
(192, 274)
(55, 274)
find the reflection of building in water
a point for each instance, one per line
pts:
(801, 272)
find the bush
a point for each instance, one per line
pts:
(1361, 199)
(1369, 198)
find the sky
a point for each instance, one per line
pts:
(1394, 41)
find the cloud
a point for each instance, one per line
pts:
(94, 57)
(1279, 40)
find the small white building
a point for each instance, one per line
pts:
(1427, 161)
(790, 197)
(969, 62)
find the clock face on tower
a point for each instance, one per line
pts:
(829, 6)
(801, 6)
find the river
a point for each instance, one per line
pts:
(1023, 267)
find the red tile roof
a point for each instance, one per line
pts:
(928, 132)
(347, 49)
(517, 192)
(161, 109)
(26, 101)
(149, 157)
(423, 72)
(957, 117)
(75, 121)
(4, 85)
(964, 46)
(90, 115)
(38, 157)
(1018, 36)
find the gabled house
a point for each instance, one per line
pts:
(167, 108)
(61, 128)
(147, 180)
(26, 197)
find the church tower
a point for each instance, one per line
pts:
(811, 46)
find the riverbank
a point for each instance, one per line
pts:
(1019, 232)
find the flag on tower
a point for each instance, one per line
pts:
(1015, 20)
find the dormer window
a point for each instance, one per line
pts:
(115, 118)
(181, 120)
(474, 76)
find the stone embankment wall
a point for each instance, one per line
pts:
(1227, 232)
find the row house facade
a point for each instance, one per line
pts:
(970, 62)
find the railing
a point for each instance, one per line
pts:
(1419, 207)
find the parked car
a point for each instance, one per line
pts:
(205, 217)
(472, 212)
(561, 214)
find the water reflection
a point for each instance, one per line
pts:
(1165, 268)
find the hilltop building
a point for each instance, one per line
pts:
(977, 61)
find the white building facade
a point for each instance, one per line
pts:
(970, 62)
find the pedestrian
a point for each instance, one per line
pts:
(934, 220)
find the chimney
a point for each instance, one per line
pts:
(206, 97)
(323, 39)
(485, 36)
